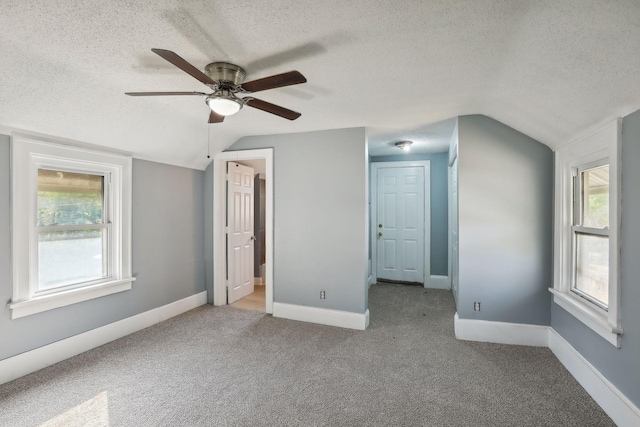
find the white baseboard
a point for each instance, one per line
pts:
(621, 410)
(323, 316)
(501, 332)
(371, 280)
(438, 282)
(39, 358)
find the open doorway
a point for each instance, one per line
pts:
(261, 296)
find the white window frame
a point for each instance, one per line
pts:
(601, 146)
(28, 154)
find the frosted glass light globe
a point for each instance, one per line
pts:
(224, 106)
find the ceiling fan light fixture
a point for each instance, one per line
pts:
(225, 105)
(404, 145)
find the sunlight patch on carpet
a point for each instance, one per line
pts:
(94, 413)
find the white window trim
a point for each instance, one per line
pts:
(28, 154)
(604, 143)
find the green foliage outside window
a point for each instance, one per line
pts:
(58, 208)
(599, 209)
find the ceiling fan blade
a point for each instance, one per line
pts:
(184, 65)
(279, 80)
(215, 117)
(272, 108)
(163, 93)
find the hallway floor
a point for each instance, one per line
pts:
(254, 301)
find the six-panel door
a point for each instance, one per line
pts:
(400, 224)
(240, 237)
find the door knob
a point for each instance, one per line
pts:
(380, 234)
(254, 238)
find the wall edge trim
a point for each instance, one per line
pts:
(501, 332)
(621, 410)
(438, 282)
(33, 360)
(616, 405)
(323, 316)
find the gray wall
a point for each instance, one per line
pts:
(320, 203)
(505, 191)
(620, 366)
(439, 206)
(167, 256)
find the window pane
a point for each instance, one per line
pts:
(595, 197)
(69, 257)
(69, 198)
(592, 266)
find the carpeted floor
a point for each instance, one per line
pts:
(227, 366)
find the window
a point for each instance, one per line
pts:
(71, 225)
(586, 231)
(591, 234)
(72, 228)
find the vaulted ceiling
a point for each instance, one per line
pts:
(550, 69)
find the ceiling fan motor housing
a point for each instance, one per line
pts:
(225, 72)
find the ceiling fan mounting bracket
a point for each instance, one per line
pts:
(225, 72)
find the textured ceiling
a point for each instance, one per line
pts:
(433, 138)
(550, 69)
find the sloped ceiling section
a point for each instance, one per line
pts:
(550, 69)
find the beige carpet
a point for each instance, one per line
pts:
(225, 366)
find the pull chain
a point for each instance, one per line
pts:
(208, 140)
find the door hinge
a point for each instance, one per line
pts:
(226, 230)
(227, 177)
(227, 282)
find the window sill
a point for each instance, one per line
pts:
(591, 317)
(61, 299)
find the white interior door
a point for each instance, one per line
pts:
(240, 237)
(400, 216)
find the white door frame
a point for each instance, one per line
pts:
(219, 214)
(426, 165)
(452, 159)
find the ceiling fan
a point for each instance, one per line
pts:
(226, 81)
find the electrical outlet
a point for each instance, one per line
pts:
(322, 294)
(476, 306)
